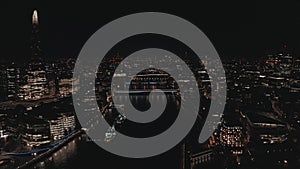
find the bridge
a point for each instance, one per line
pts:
(202, 157)
(38, 151)
(146, 91)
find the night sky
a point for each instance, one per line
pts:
(240, 29)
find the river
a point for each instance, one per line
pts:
(80, 153)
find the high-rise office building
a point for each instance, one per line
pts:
(35, 132)
(36, 87)
(36, 51)
(3, 83)
(13, 79)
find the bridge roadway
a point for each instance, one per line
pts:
(39, 150)
(40, 153)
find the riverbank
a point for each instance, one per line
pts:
(50, 151)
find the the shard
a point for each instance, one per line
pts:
(36, 52)
(35, 17)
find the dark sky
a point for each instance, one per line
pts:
(236, 29)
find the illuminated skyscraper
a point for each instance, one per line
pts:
(3, 83)
(35, 17)
(36, 87)
(36, 51)
(13, 80)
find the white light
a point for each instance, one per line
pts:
(35, 17)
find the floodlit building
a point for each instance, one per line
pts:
(65, 87)
(35, 132)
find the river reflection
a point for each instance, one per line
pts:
(62, 157)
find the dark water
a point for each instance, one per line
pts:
(80, 154)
